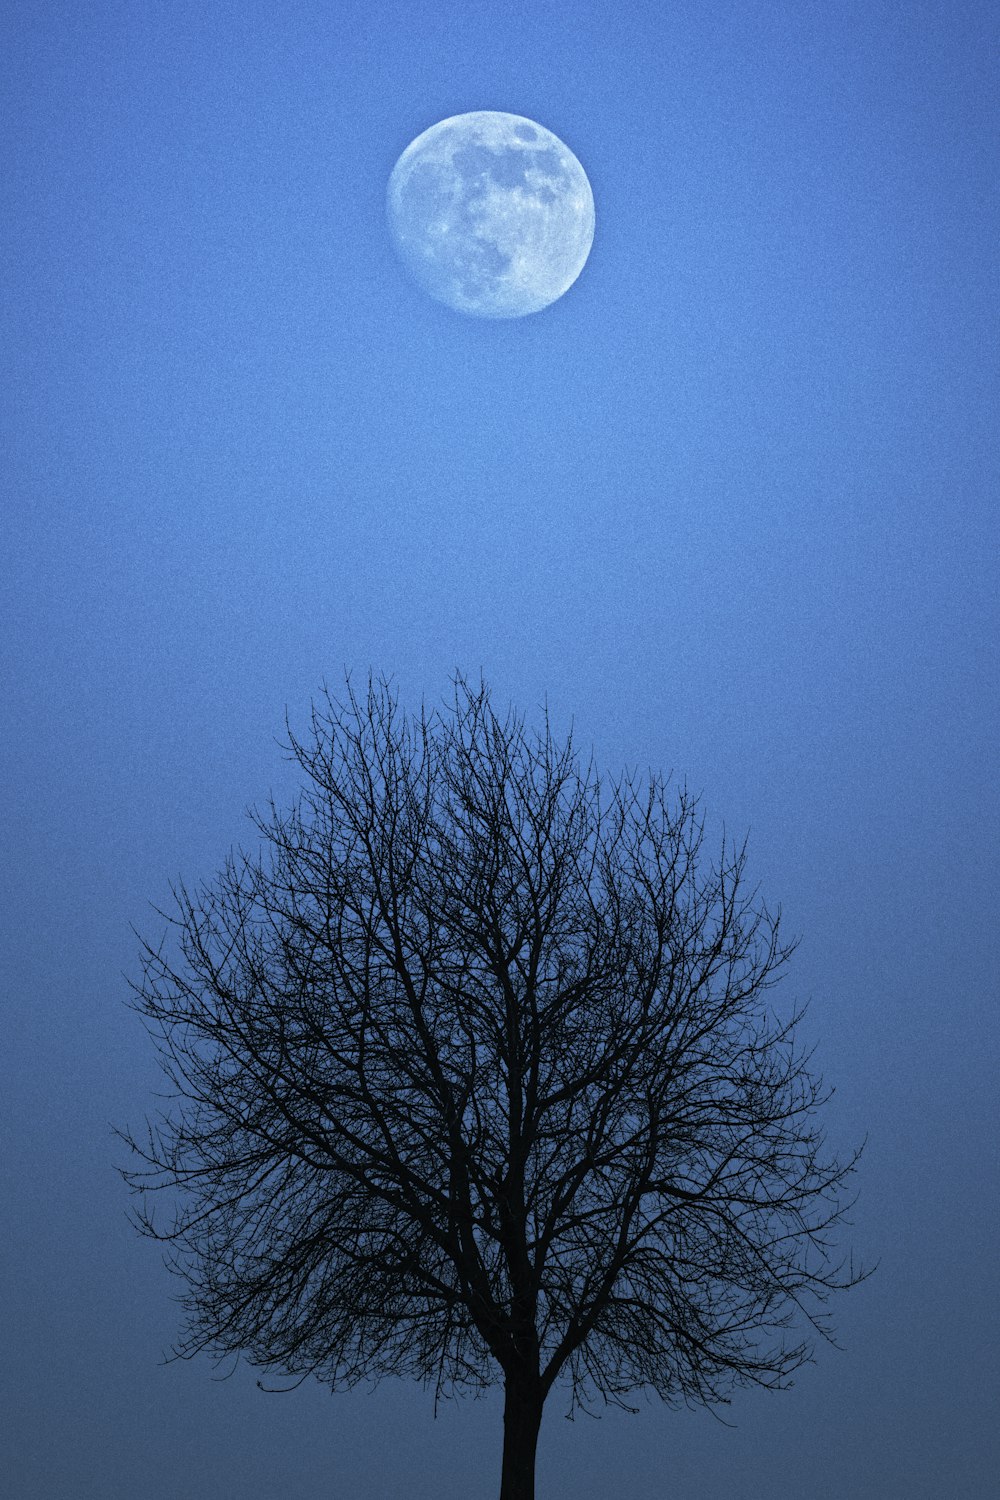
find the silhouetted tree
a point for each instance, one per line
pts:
(474, 1079)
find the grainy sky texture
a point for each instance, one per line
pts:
(731, 504)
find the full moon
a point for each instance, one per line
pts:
(491, 214)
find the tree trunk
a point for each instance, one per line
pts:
(522, 1416)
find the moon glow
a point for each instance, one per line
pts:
(491, 214)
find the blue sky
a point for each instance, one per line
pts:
(730, 505)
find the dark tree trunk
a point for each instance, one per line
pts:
(522, 1416)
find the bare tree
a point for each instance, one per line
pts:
(474, 1078)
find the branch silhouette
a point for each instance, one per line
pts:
(474, 1080)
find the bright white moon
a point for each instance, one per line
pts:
(491, 214)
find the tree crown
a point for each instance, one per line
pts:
(473, 1067)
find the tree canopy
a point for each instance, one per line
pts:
(475, 1079)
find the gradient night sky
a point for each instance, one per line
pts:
(730, 503)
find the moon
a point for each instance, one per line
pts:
(491, 214)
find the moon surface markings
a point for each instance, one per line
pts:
(491, 214)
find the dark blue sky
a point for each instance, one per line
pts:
(731, 504)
